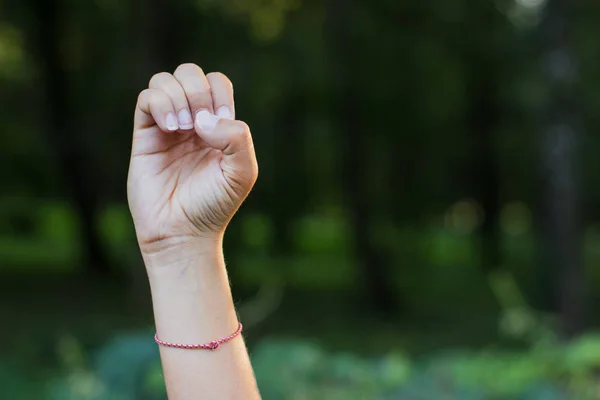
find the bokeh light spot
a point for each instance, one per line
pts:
(464, 216)
(515, 218)
(535, 4)
(11, 52)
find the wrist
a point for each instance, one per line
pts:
(181, 251)
(190, 292)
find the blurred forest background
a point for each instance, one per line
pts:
(426, 224)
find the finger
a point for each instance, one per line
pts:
(222, 95)
(155, 107)
(168, 84)
(234, 140)
(196, 87)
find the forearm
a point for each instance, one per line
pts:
(193, 305)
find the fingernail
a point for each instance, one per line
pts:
(224, 112)
(171, 122)
(185, 119)
(206, 121)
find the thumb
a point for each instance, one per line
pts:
(233, 138)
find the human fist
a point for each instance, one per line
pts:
(192, 164)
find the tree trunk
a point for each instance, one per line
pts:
(485, 183)
(64, 132)
(354, 133)
(289, 189)
(483, 117)
(560, 141)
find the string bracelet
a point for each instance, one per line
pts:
(206, 346)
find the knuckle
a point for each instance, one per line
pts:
(144, 95)
(242, 130)
(158, 78)
(199, 98)
(152, 96)
(198, 93)
(188, 67)
(219, 76)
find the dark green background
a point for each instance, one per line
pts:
(425, 223)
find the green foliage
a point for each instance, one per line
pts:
(52, 241)
(11, 52)
(583, 355)
(327, 233)
(266, 19)
(115, 225)
(128, 368)
(299, 370)
(257, 231)
(14, 385)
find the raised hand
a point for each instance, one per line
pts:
(192, 164)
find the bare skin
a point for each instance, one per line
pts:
(192, 165)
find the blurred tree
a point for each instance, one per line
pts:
(64, 128)
(354, 139)
(483, 54)
(287, 197)
(560, 165)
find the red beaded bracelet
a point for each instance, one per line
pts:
(207, 346)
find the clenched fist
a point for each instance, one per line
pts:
(192, 164)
